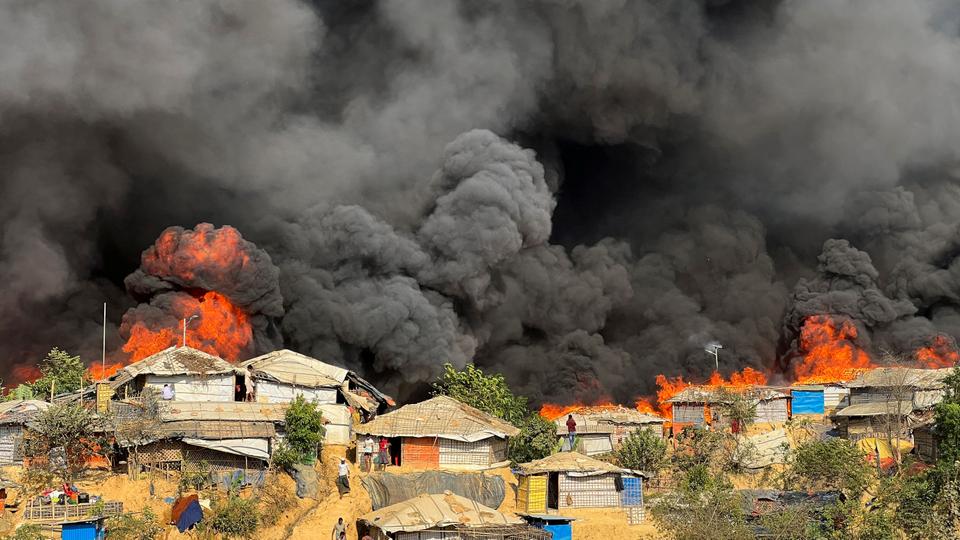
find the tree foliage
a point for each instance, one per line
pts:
(642, 450)
(711, 510)
(132, 526)
(303, 427)
(68, 426)
(831, 464)
(490, 394)
(236, 518)
(60, 371)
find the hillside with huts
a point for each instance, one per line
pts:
(183, 444)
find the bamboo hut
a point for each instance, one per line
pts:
(573, 480)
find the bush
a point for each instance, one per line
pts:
(130, 526)
(714, 513)
(830, 464)
(285, 456)
(274, 500)
(27, 532)
(237, 518)
(303, 427)
(642, 450)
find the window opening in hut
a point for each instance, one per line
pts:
(553, 490)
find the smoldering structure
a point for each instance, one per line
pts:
(578, 194)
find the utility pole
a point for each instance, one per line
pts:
(103, 352)
(714, 349)
(185, 321)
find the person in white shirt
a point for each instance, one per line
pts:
(167, 393)
(367, 451)
(343, 477)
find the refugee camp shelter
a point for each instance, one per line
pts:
(443, 432)
(445, 517)
(807, 400)
(602, 429)
(926, 443)
(279, 376)
(703, 405)
(891, 401)
(193, 374)
(14, 415)
(573, 480)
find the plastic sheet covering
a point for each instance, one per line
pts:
(254, 448)
(386, 489)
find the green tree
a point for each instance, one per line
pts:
(303, 427)
(830, 464)
(70, 427)
(236, 518)
(714, 512)
(642, 450)
(490, 394)
(131, 526)
(61, 373)
(22, 391)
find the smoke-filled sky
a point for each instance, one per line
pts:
(580, 194)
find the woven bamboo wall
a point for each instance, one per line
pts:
(423, 452)
(598, 491)
(532, 494)
(160, 452)
(772, 410)
(465, 453)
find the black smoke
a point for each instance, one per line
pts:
(663, 175)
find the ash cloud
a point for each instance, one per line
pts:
(579, 194)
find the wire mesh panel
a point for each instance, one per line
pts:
(772, 410)
(635, 515)
(465, 453)
(599, 491)
(632, 494)
(684, 413)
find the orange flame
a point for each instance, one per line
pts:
(25, 373)
(216, 253)
(831, 354)
(552, 411)
(222, 329)
(668, 387)
(96, 372)
(940, 354)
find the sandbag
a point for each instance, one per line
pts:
(386, 489)
(308, 485)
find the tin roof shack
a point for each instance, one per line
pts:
(573, 480)
(807, 400)
(445, 517)
(226, 436)
(758, 503)
(890, 401)
(193, 374)
(601, 429)
(281, 375)
(703, 405)
(444, 433)
(14, 415)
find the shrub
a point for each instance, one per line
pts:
(274, 500)
(715, 513)
(304, 427)
(71, 427)
(642, 450)
(130, 526)
(27, 532)
(830, 464)
(285, 456)
(236, 518)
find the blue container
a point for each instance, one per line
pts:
(807, 401)
(87, 530)
(559, 526)
(632, 491)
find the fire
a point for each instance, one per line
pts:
(96, 372)
(831, 354)
(25, 373)
(940, 354)
(205, 253)
(643, 405)
(222, 329)
(552, 411)
(668, 387)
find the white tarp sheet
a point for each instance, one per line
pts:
(271, 392)
(254, 448)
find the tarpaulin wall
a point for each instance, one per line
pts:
(386, 489)
(807, 401)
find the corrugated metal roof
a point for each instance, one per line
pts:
(901, 376)
(291, 367)
(436, 511)
(441, 416)
(20, 411)
(877, 409)
(718, 394)
(569, 462)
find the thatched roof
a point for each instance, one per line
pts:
(606, 420)
(173, 361)
(442, 417)
(719, 394)
(890, 377)
(286, 366)
(877, 408)
(570, 462)
(434, 512)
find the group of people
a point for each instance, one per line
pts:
(368, 447)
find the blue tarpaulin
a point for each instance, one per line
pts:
(190, 516)
(807, 401)
(559, 526)
(632, 491)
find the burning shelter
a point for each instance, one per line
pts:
(445, 517)
(573, 480)
(703, 405)
(817, 399)
(279, 376)
(443, 432)
(891, 400)
(602, 429)
(14, 415)
(193, 375)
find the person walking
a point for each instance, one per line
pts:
(571, 430)
(343, 477)
(339, 530)
(367, 454)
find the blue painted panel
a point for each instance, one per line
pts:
(807, 401)
(562, 531)
(632, 491)
(80, 531)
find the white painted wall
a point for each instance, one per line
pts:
(196, 388)
(271, 392)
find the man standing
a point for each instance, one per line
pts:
(367, 453)
(571, 430)
(384, 453)
(339, 530)
(167, 393)
(343, 477)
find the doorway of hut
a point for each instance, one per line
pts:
(240, 388)
(553, 491)
(396, 454)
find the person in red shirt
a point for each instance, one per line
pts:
(384, 459)
(571, 430)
